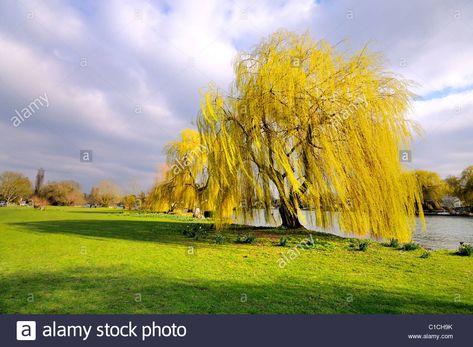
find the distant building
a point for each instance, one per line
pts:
(451, 202)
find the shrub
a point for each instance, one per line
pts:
(197, 231)
(201, 232)
(219, 239)
(39, 203)
(360, 245)
(425, 255)
(188, 231)
(209, 214)
(410, 246)
(394, 243)
(282, 241)
(465, 249)
(245, 239)
(363, 246)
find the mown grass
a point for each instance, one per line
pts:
(73, 260)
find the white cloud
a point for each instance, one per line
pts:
(445, 114)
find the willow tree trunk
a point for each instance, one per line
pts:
(289, 217)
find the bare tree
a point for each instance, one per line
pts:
(39, 181)
(106, 193)
(14, 186)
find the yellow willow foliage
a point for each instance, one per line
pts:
(315, 128)
(432, 185)
(185, 175)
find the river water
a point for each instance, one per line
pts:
(443, 232)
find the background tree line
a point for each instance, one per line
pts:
(435, 189)
(16, 187)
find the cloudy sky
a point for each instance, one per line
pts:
(121, 78)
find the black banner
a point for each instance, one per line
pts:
(236, 330)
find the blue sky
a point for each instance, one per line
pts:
(123, 77)
(442, 93)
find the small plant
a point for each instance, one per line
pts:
(425, 255)
(196, 231)
(465, 249)
(282, 241)
(363, 246)
(310, 242)
(201, 232)
(219, 239)
(410, 246)
(394, 243)
(360, 245)
(245, 239)
(188, 231)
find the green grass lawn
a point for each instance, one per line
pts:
(73, 260)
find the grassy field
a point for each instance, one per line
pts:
(73, 260)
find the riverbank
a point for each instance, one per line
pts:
(448, 213)
(76, 260)
(443, 232)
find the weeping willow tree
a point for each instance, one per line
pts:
(317, 129)
(185, 175)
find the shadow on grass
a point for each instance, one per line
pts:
(113, 212)
(151, 230)
(141, 230)
(117, 289)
